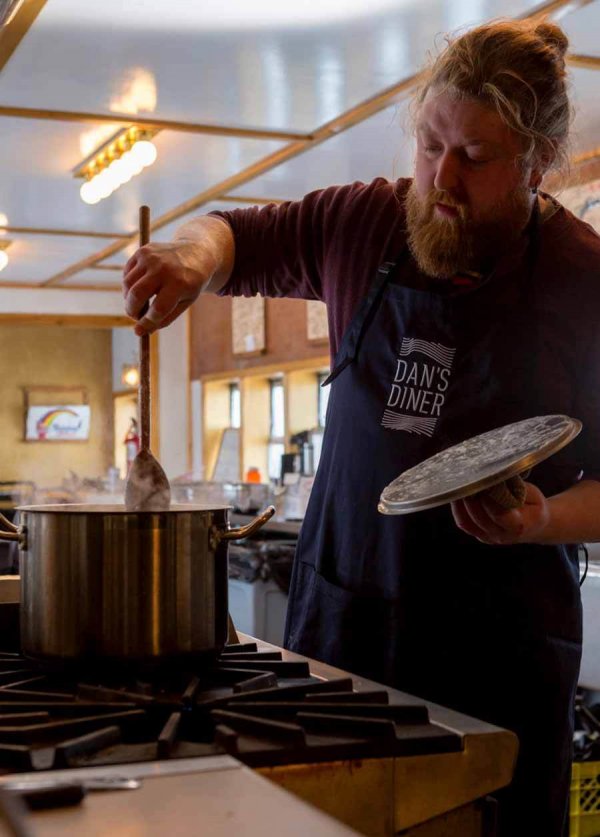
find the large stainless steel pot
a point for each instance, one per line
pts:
(102, 584)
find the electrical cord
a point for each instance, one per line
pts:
(587, 562)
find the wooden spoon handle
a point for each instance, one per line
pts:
(144, 348)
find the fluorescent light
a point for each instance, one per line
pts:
(115, 163)
(144, 152)
(88, 193)
(3, 259)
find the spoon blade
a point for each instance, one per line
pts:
(147, 487)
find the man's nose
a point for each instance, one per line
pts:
(447, 173)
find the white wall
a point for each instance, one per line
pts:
(125, 350)
(173, 397)
(61, 301)
(196, 429)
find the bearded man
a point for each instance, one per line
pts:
(471, 606)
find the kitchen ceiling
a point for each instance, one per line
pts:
(286, 72)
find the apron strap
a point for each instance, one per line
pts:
(354, 333)
(352, 337)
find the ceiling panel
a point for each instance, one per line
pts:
(94, 278)
(581, 27)
(268, 63)
(32, 258)
(585, 134)
(39, 190)
(381, 146)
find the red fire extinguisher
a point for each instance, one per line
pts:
(132, 443)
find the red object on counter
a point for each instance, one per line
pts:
(132, 443)
(253, 475)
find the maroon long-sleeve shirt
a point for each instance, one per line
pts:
(328, 246)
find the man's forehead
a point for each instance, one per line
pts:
(467, 120)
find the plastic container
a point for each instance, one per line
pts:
(585, 799)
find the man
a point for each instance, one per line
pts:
(467, 284)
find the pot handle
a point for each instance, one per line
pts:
(11, 532)
(249, 528)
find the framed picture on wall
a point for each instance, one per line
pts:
(56, 414)
(57, 423)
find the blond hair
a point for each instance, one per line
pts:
(518, 68)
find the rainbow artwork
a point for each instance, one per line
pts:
(65, 422)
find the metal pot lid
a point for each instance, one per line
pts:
(478, 463)
(114, 508)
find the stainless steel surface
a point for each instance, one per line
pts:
(244, 496)
(110, 585)
(218, 803)
(378, 796)
(135, 770)
(115, 508)
(478, 463)
(236, 533)
(100, 783)
(10, 531)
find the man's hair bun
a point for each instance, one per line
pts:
(553, 36)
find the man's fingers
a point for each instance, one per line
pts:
(151, 323)
(179, 309)
(163, 307)
(132, 264)
(139, 294)
(481, 518)
(464, 521)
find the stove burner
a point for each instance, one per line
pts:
(252, 704)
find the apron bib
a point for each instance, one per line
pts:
(411, 601)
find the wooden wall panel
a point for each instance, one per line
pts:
(50, 356)
(211, 336)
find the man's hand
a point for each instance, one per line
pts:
(490, 523)
(199, 259)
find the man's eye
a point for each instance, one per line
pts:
(432, 149)
(477, 161)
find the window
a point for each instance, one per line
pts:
(276, 445)
(235, 405)
(322, 397)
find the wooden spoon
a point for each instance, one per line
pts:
(147, 487)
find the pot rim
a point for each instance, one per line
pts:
(114, 508)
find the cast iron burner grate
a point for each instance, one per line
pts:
(252, 704)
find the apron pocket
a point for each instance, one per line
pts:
(361, 634)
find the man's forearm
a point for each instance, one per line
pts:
(574, 515)
(211, 248)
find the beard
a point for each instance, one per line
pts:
(443, 247)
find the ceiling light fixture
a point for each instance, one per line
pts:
(119, 159)
(4, 245)
(130, 374)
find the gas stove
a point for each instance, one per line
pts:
(251, 704)
(375, 758)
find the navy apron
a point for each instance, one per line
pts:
(411, 601)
